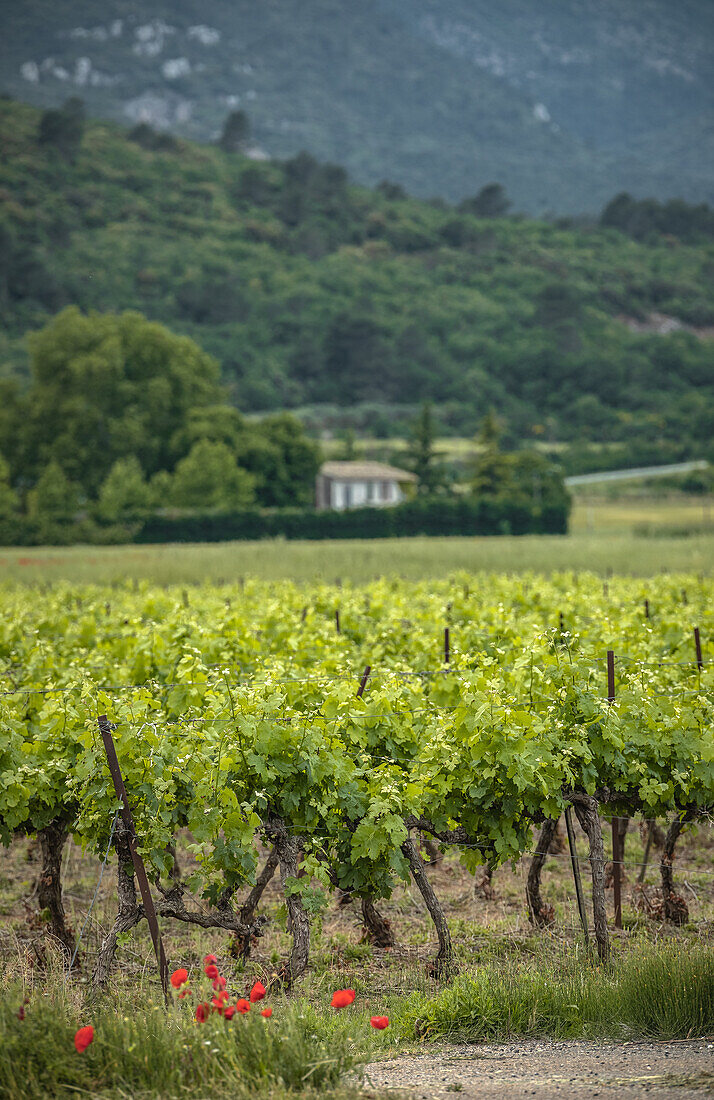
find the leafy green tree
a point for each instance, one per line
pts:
(209, 478)
(282, 459)
(422, 459)
(63, 128)
(105, 387)
(491, 472)
(491, 202)
(236, 132)
(348, 450)
(8, 499)
(54, 495)
(124, 492)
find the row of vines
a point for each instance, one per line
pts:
(318, 732)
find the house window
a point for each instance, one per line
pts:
(370, 491)
(347, 496)
(385, 490)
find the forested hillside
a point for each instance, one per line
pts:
(312, 291)
(565, 103)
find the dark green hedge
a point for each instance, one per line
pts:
(419, 517)
(435, 517)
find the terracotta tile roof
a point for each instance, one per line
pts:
(365, 471)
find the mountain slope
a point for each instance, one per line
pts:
(312, 291)
(441, 96)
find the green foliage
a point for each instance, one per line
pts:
(209, 478)
(435, 98)
(310, 290)
(62, 129)
(107, 387)
(422, 459)
(141, 1050)
(283, 461)
(491, 202)
(664, 993)
(54, 495)
(647, 218)
(8, 499)
(236, 132)
(124, 493)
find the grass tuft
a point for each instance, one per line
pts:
(660, 993)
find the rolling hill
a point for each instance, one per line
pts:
(564, 103)
(313, 291)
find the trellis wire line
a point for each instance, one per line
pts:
(94, 898)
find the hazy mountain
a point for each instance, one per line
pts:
(565, 103)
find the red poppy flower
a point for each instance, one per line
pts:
(267, 1012)
(217, 1006)
(21, 1012)
(380, 1022)
(184, 993)
(229, 1013)
(178, 978)
(257, 992)
(83, 1038)
(341, 998)
(219, 983)
(242, 1006)
(202, 1012)
(209, 959)
(211, 971)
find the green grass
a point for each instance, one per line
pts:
(655, 993)
(141, 1050)
(359, 560)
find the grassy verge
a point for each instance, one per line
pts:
(359, 560)
(662, 993)
(142, 1050)
(306, 1048)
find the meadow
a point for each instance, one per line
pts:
(360, 561)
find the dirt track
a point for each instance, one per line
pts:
(542, 1069)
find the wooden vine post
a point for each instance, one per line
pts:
(447, 650)
(698, 648)
(616, 846)
(132, 842)
(576, 874)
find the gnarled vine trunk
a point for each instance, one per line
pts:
(129, 912)
(674, 906)
(378, 930)
(444, 958)
(586, 809)
(540, 914)
(288, 849)
(249, 906)
(49, 892)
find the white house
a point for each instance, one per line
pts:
(343, 485)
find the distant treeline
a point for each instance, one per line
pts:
(645, 219)
(310, 291)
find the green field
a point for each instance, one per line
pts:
(358, 561)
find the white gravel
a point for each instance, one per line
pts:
(542, 1069)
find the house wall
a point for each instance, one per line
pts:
(338, 494)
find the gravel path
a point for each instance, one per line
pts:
(541, 1069)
